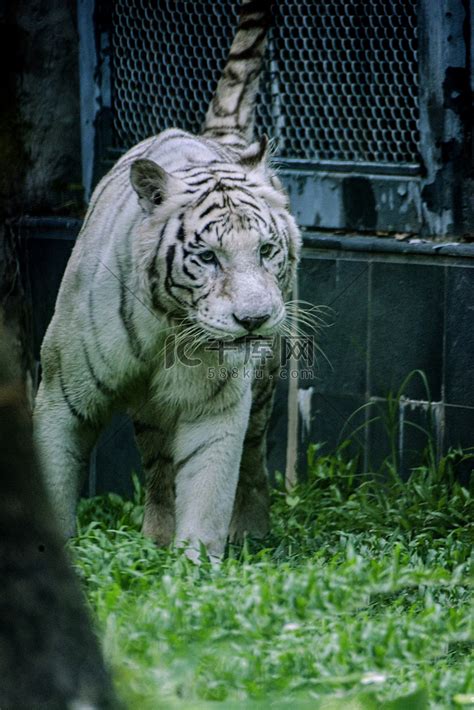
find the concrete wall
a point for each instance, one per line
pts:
(40, 169)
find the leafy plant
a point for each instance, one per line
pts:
(361, 597)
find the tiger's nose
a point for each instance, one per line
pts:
(252, 323)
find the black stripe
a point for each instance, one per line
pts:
(75, 412)
(180, 234)
(152, 272)
(101, 386)
(253, 205)
(174, 136)
(143, 428)
(233, 78)
(260, 402)
(210, 224)
(256, 6)
(241, 142)
(274, 224)
(188, 273)
(226, 174)
(223, 382)
(264, 395)
(250, 51)
(170, 254)
(203, 197)
(225, 231)
(200, 182)
(197, 243)
(252, 24)
(156, 458)
(169, 282)
(197, 450)
(190, 287)
(169, 259)
(209, 209)
(194, 170)
(95, 331)
(201, 297)
(109, 225)
(255, 438)
(255, 216)
(126, 317)
(245, 189)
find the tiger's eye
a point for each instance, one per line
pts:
(266, 250)
(208, 257)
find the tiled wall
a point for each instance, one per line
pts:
(392, 314)
(395, 308)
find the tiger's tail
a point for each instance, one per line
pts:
(231, 114)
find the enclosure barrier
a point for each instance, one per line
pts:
(368, 104)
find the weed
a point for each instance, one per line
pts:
(360, 598)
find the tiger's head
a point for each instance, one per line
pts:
(219, 246)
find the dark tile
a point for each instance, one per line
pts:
(419, 429)
(398, 437)
(47, 260)
(459, 360)
(333, 421)
(116, 458)
(402, 433)
(381, 449)
(340, 369)
(406, 328)
(460, 434)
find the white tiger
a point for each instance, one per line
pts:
(208, 251)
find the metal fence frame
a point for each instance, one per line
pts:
(432, 200)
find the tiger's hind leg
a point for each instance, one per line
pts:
(159, 516)
(251, 514)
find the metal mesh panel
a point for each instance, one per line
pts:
(340, 81)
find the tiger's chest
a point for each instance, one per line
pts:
(204, 388)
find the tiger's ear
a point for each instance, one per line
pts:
(151, 183)
(255, 157)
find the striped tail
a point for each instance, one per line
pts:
(231, 115)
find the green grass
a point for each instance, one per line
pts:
(360, 598)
